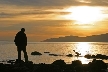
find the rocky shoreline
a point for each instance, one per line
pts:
(56, 66)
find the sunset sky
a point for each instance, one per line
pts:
(44, 19)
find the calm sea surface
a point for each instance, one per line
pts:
(8, 51)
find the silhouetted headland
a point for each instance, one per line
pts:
(93, 38)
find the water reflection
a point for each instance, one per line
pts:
(56, 48)
(83, 48)
(84, 60)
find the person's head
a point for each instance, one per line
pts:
(23, 29)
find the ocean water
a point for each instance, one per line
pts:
(8, 51)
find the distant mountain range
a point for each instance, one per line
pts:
(93, 38)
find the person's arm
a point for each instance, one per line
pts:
(16, 39)
(25, 40)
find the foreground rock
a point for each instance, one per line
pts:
(97, 66)
(56, 66)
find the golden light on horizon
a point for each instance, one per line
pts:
(84, 15)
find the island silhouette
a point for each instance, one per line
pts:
(93, 38)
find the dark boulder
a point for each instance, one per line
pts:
(97, 65)
(53, 54)
(59, 62)
(77, 64)
(87, 56)
(36, 53)
(69, 55)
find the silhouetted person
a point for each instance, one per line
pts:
(21, 43)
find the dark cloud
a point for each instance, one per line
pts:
(5, 15)
(39, 2)
(37, 25)
(43, 12)
(99, 2)
(12, 9)
(38, 13)
(54, 2)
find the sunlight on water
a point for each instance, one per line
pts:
(83, 48)
(61, 49)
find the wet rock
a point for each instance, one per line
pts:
(59, 62)
(93, 56)
(98, 56)
(53, 54)
(87, 56)
(46, 52)
(69, 55)
(36, 53)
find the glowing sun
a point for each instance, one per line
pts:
(84, 14)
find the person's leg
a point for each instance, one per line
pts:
(25, 54)
(19, 53)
